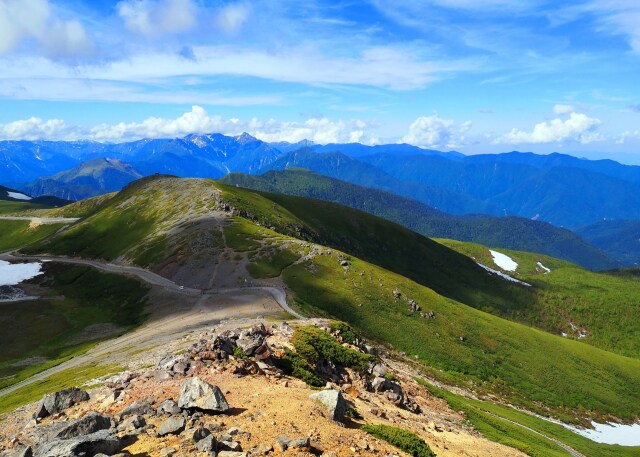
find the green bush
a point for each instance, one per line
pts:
(345, 331)
(402, 439)
(294, 365)
(238, 353)
(314, 344)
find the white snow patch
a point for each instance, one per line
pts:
(503, 261)
(546, 270)
(564, 334)
(504, 276)
(14, 273)
(18, 196)
(624, 435)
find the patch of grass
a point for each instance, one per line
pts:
(12, 207)
(238, 353)
(16, 234)
(271, 264)
(80, 297)
(344, 331)
(462, 345)
(71, 377)
(603, 306)
(242, 236)
(402, 439)
(496, 422)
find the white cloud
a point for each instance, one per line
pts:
(578, 127)
(35, 128)
(386, 67)
(436, 132)
(232, 17)
(25, 20)
(563, 109)
(628, 135)
(320, 130)
(154, 18)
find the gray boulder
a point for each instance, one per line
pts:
(334, 402)
(95, 443)
(91, 423)
(59, 401)
(198, 394)
(207, 444)
(138, 408)
(168, 407)
(250, 343)
(172, 426)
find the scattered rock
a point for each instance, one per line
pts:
(100, 442)
(198, 394)
(91, 423)
(172, 426)
(261, 449)
(334, 401)
(231, 454)
(207, 444)
(168, 407)
(59, 401)
(200, 433)
(140, 408)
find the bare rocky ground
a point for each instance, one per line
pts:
(167, 402)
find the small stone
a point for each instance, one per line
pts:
(172, 426)
(200, 433)
(207, 444)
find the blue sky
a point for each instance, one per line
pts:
(489, 76)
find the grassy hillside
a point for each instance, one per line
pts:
(602, 307)
(507, 232)
(507, 426)
(52, 327)
(15, 234)
(460, 344)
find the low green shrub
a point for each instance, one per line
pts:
(400, 438)
(294, 365)
(314, 344)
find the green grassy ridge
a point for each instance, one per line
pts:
(604, 304)
(16, 234)
(47, 327)
(15, 207)
(125, 223)
(508, 232)
(82, 208)
(381, 242)
(529, 367)
(482, 415)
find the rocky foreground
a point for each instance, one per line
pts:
(233, 392)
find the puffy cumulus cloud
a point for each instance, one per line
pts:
(436, 132)
(577, 127)
(36, 128)
(320, 130)
(25, 20)
(231, 17)
(158, 17)
(563, 109)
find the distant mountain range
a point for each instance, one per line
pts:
(502, 232)
(560, 189)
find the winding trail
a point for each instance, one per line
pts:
(42, 220)
(163, 330)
